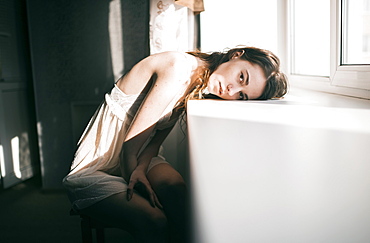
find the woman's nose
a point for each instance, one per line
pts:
(233, 89)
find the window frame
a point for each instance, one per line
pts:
(349, 80)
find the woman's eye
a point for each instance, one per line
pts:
(241, 96)
(241, 78)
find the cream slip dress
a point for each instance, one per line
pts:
(95, 170)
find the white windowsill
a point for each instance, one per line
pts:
(297, 106)
(280, 169)
(323, 85)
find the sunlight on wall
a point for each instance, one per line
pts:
(115, 37)
(171, 27)
(15, 154)
(39, 133)
(2, 161)
(25, 162)
(235, 22)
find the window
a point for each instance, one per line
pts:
(329, 45)
(356, 32)
(350, 65)
(310, 38)
(323, 44)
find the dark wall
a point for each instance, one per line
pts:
(72, 69)
(17, 112)
(135, 25)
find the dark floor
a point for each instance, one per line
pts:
(31, 215)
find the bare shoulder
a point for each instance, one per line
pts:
(174, 60)
(169, 67)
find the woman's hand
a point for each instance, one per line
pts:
(139, 181)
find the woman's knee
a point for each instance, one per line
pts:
(172, 187)
(153, 225)
(167, 183)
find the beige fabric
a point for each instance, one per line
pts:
(86, 189)
(95, 171)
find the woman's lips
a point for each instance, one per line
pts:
(220, 91)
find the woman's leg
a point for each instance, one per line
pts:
(172, 193)
(137, 216)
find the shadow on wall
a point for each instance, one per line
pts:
(77, 52)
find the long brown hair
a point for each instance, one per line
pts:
(276, 86)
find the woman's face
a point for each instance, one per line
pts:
(237, 79)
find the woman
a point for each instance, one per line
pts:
(118, 175)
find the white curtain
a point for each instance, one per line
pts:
(171, 27)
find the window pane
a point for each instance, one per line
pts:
(356, 32)
(310, 26)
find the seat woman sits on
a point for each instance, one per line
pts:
(119, 175)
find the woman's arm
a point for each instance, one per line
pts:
(152, 149)
(173, 73)
(138, 176)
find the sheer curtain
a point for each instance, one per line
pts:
(172, 28)
(172, 25)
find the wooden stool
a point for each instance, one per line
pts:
(87, 226)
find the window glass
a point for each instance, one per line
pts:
(310, 37)
(356, 32)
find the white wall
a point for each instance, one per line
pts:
(292, 170)
(239, 22)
